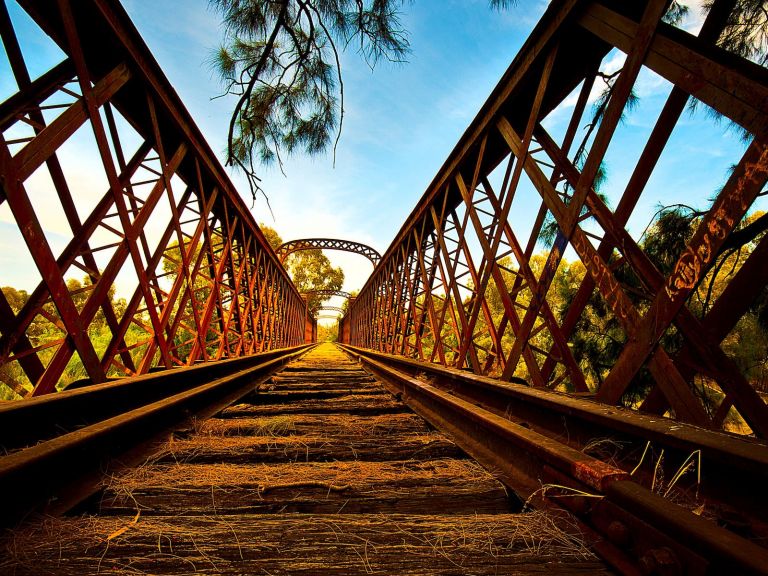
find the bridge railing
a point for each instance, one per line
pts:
(143, 252)
(469, 283)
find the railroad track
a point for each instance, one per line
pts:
(314, 460)
(319, 471)
(660, 497)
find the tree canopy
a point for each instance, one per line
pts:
(47, 328)
(309, 269)
(281, 59)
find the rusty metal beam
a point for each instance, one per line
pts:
(494, 314)
(532, 437)
(328, 293)
(199, 278)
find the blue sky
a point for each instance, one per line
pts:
(401, 121)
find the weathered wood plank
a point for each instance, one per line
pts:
(447, 486)
(522, 544)
(351, 404)
(331, 425)
(303, 395)
(304, 448)
(331, 387)
(324, 376)
(320, 384)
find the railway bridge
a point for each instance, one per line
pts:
(464, 422)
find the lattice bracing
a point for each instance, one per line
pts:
(470, 283)
(175, 269)
(323, 293)
(288, 248)
(512, 256)
(324, 308)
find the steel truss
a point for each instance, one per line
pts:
(430, 297)
(288, 248)
(204, 283)
(329, 308)
(328, 293)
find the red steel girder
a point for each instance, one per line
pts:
(329, 308)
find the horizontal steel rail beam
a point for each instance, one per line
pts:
(330, 308)
(30, 421)
(328, 293)
(733, 467)
(71, 465)
(634, 520)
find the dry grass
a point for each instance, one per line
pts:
(268, 426)
(250, 444)
(605, 449)
(359, 474)
(328, 424)
(327, 543)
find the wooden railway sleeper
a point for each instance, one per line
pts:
(657, 536)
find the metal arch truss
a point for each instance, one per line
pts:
(328, 293)
(198, 278)
(459, 285)
(288, 248)
(338, 309)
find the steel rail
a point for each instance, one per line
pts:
(39, 418)
(538, 436)
(57, 473)
(577, 421)
(733, 467)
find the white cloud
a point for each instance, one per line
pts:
(695, 18)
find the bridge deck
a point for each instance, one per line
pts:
(320, 471)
